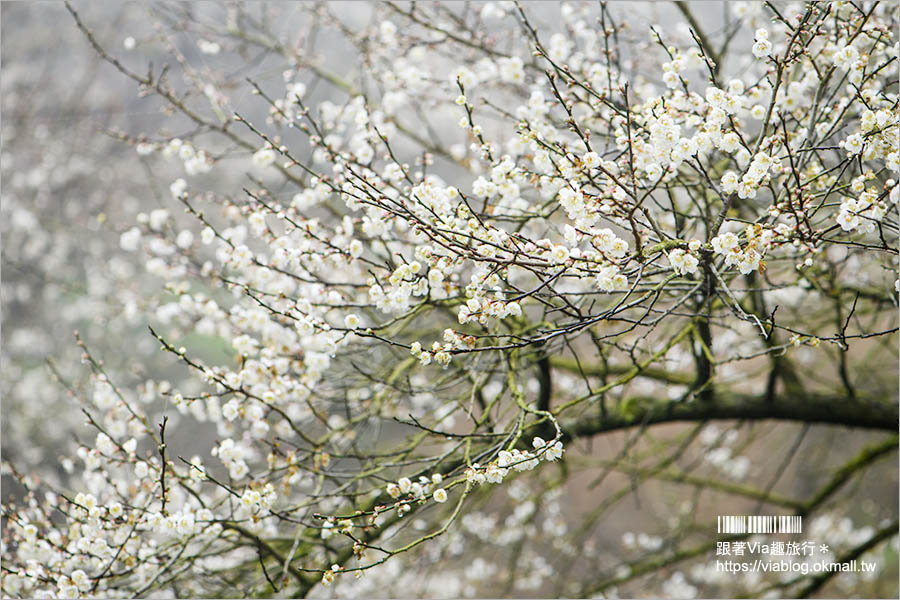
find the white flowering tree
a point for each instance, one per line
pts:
(447, 285)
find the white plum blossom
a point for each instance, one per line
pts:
(762, 47)
(264, 157)
(683, 262)
(853, 144)
(357, 310)
(130, 240)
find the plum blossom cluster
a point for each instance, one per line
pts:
(755, 176)
(762, 46)
(746, 255)
(259, 500)
(423, 488)
(864, 211)
(684, 262)
(357, 289)
(196, 162)
(515, 459)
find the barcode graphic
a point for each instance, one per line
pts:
(760, 524)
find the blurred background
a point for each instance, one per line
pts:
(71, 186)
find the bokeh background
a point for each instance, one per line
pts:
(70, 186)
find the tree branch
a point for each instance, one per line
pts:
(834, 410)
